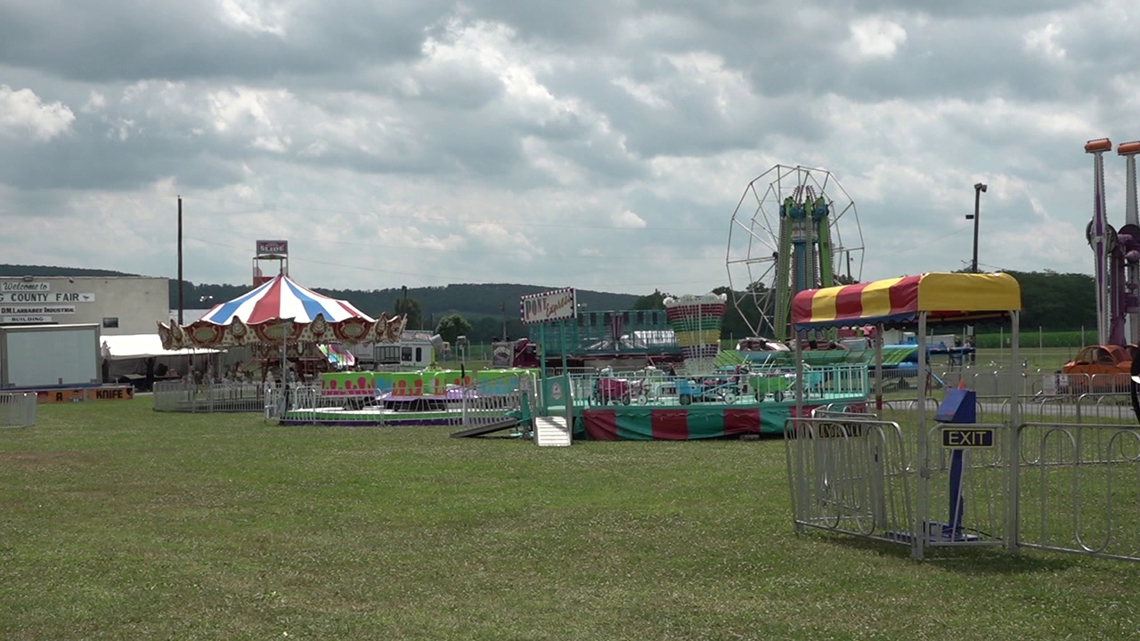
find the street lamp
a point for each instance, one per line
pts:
(978, 189)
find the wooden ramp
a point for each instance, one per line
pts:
(551, 431)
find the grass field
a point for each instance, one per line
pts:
(1046, 358)
(120, 523)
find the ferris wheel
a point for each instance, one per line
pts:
(795, 228)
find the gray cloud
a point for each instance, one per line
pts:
(131, 39)
(597, 144)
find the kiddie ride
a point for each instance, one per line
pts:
(710, 390)
(746, 384)
(609, 390)
(1106, 366)
(1100, 369)
(728, 386)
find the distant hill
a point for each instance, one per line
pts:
(472, 301)
(1051, 301)
(46, 270)
(486, 303)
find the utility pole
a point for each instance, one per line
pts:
(503, 309)
(978, 189)
(179, 259)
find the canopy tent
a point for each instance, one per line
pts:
(910, 301)
(132, 346)
(282, 311)
(897, 302)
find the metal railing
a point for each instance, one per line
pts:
(305, 404)
(17, 409)
(467, 406)
(1037, 384)
(1079, 488)
(182, 396)
(857, 475)
(484, 410)
(651, 386)
(849, 475)
(1067, 479)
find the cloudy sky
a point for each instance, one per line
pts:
(597, 144)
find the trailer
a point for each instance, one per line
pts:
(415, 350)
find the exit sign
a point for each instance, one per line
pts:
(967, 437)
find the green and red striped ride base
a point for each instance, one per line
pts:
(640, 423)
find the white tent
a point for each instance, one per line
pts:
(125, 358)
(131, 346)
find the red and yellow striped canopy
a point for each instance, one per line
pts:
(897, 301)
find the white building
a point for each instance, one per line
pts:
(119, 305)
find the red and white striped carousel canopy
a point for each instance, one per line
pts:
(282, 299)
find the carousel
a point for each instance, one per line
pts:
(283, 322)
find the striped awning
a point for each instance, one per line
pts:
(897, 301)
(282, 298)
(281, 311)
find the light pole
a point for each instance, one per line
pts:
(978, 189)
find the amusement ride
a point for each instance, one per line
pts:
(795, 228)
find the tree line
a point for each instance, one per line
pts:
(1051, 301)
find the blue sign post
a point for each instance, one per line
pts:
(960, 406)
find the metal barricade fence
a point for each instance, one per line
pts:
(1079, 488)
(479, 410)
(1073, 485)
(857, 475)
(1038, 384)
(1104, 408)
(484, 401)
(181, 396)
(273, 402)
(17, 409)
(305, 404)
(478, 403)
(849, 475)
(1083, 408)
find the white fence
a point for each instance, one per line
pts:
(181, 396)
(17, 409)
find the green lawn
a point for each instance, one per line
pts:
(1044, 358)
(120, 523)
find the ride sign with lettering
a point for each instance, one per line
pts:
(46, 297)
(272, 248)
(558, 304)
(967, 437)
(29, 309)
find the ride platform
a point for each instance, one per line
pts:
(377, 415)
